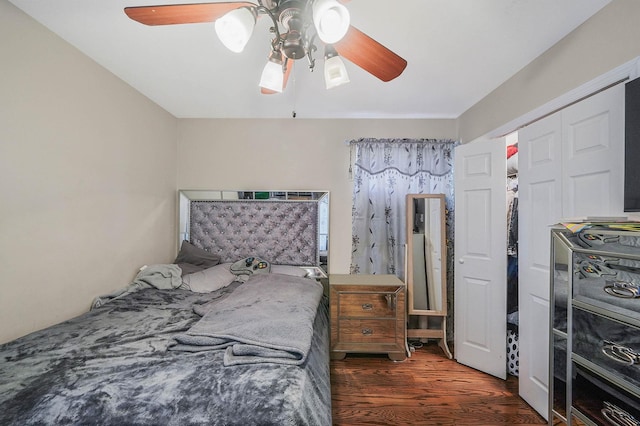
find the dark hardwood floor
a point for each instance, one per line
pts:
(426, 389)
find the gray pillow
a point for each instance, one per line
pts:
(210, 279)
(193, 259)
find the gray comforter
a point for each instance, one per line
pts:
(111, 366)
(267, 320)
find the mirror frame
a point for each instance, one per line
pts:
(185, 196)
(409, 259)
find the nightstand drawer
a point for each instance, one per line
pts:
(366, 331)
(363, 305)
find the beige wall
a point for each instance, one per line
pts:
(87, 178)
(609, 39)
(289, 154)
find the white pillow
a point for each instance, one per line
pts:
(210, 279)
(296, 271)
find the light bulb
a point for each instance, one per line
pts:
(234, 28)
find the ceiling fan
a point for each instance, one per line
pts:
(298, 27)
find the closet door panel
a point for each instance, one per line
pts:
(538, 367)
(570, 166)
(481, 255)
(588, 194)
(540, 205)
(593, 152)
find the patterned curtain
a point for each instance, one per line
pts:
(384, 172)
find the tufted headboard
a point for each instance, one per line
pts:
(281, 231)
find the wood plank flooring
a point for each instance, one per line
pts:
(426, 389)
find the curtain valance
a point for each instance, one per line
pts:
(407, 157)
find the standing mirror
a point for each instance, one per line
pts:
(426, 269)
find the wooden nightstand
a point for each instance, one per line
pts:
(367, 315)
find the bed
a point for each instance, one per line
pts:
(164, 354)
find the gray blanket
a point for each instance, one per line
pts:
(111, 366)
(269, 319)
(162, 277)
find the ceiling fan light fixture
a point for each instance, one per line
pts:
(331, 20)
(335, 72)
(234, 28)
(299, 28)
(273, 74)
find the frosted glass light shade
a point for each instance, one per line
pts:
(335, 73)
(234, 28)
(272, 76)
(331, 20)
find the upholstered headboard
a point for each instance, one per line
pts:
(280, 231)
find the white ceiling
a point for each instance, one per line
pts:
(457, 51)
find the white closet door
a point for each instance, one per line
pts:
(539, 207)
(481, 256)
(570, 165)
(593, 153)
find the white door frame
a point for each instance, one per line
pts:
(627, 71)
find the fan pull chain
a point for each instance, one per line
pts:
(295, 94)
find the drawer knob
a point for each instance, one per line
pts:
(617, 416)
(367, 332)
(624, 289)
(620, 353)
(367, 306)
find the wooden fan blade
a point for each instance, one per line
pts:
(182, 13)
(370, 55)
(286, 78)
